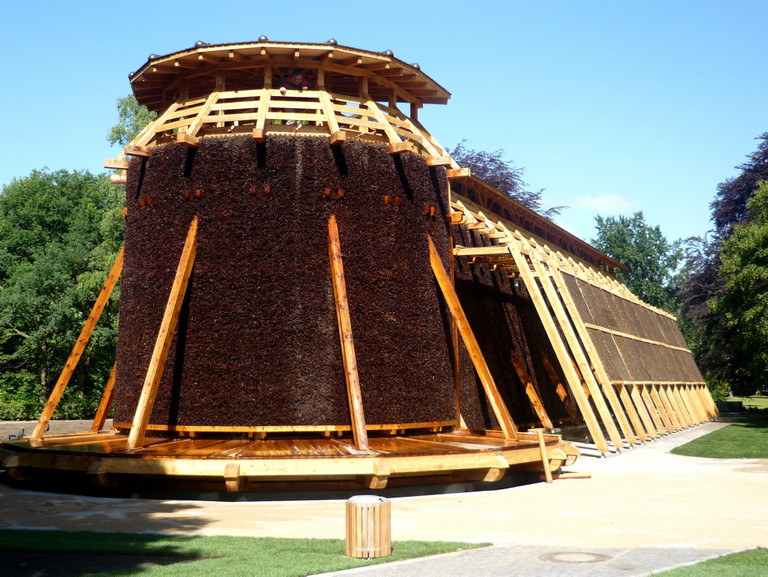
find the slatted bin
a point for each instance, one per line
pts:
(368, 527)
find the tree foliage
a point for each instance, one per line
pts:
(744, 300)
(59, 235)
(503, 175)
(651, 260)
(133, 117)
(704, 321)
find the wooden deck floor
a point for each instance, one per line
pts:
(244, 464)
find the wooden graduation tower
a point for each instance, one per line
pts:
(314, 292)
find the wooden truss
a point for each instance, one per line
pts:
(619, 355)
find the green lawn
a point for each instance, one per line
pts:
(206, 556)
(747, 439)
(755, 401)
(752, 563)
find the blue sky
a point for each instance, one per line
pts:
(611, 106)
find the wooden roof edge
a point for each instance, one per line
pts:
(440, 96)
(537, 219)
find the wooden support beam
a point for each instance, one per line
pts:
(508, 426)
(652, 410)
(571, 376)
(121, 178)
(337, 138)
(259, 131)
(116, 163)
(530, 390)
(577, 352)
(683, 410)
(137, 150)
(662, 392)
(77, 351)
(351, 377)
(629, 407)
(443, 160)
(458, 173)
(600, 373)
(164, 338)
(661, 408)
(544, 457)
(642, 411)
(560, 389)
(669, 390)
(188, 139)
(106, 402)
(404, 146)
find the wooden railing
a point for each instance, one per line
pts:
(306, 113)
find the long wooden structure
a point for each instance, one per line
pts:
(607, 361)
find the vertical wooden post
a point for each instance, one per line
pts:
(164, 338)
(355, 398)
(544, 457)
(106, 402)
(77, 351)
(508, 426)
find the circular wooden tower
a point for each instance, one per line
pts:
(286, 308)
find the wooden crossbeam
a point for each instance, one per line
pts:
(77, 351)
(106, 402)
(508, 426)
(164, 338)
(354, 396)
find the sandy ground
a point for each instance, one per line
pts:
(644, 497)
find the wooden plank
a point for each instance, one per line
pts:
(475, 251)
(259, 132)
(354, 396)
(497, 403)
(661, 408)
(637, 423)
(106, 402)
(600, 373)
(669, 390)
(164, 338)
(550, 327)
(137, 150)
(121, 178)
(662, 392)
(530, 390)
(443, 160)
(652, 410)
(400, 147)
(77, 351)
(115, 163)
(560, 389)
(683, 410)
(643, 411)
(544, 457)
(458, 173)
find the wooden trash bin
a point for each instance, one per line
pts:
(368, 527)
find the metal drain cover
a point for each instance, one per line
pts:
(575, 557)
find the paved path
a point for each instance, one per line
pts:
(642, 511)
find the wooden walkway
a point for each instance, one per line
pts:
(248, 464)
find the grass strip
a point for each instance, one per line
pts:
(221, 556)
(751, 563)
(747, 439)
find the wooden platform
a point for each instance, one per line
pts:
(237, 465)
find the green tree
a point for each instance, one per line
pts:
(744, 303)
(59, 235)
(651, 260)
(133, 117)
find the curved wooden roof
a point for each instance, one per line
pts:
(208, 67)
